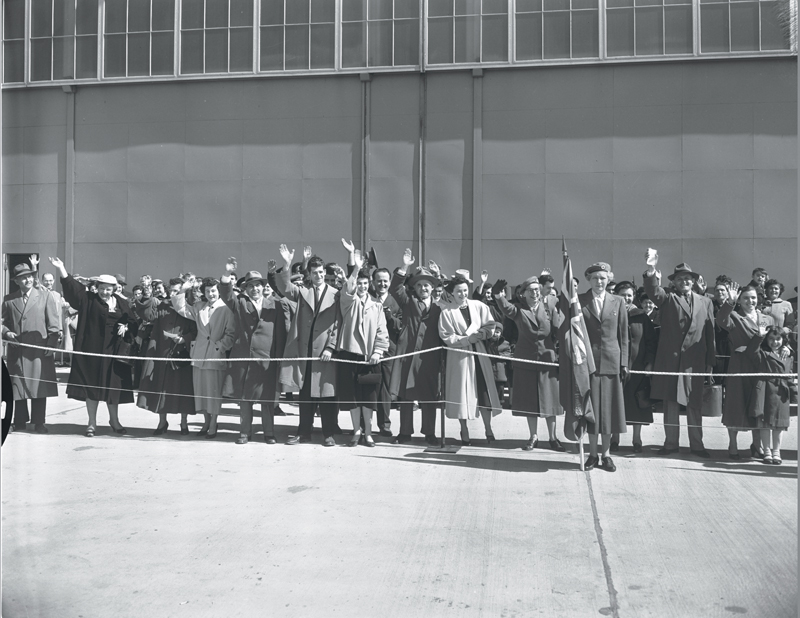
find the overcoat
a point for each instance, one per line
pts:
(738, 390)
(643, 346)
(94, 377)
(363, 327)
(260, 336)
(166, 386)
(33, 372)
(416, 377)
(215, 335)
(310, 337)
(461, 384)
(686, 344)
(771, 397)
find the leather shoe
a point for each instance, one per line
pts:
(667, 451)
(734, 456)
(161, 429)
(756, 452)
(385, 433)
(298, 439)
(608, 465)
(531, 444)
(19, 426)
(184, 430)
(329, 441)
(591, 462)
(40, 428)
(556, 445)
(401, 439)
(368, 441)
(614, 447)
(701, 453)
(242, 439)
(637, 448)
(270, 440)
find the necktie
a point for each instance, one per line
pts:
(316, 299)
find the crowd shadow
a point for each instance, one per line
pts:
(464, 459)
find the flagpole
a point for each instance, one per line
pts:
(580, 436)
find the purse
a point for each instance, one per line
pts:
(370, 378)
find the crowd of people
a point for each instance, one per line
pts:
(368, 339)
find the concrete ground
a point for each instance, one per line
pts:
(180, 526)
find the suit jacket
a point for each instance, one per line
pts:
(608, 332)
(33, 372)
(537, 332)
(686, 344)
(215, 334)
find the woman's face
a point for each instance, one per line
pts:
(720, 293)
(627, 296)
(599, 281)
(362, 287)
(461, 293)
(648, 306)
(532, 294)
(105, 290)
(773, 292)
(211, 293)
(748, 300)
(137, 294)
(774, 341)
(487, 294)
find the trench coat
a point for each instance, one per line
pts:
(686, 344)
(165, 386)
(416, 377)
(363, 327)
(94, 377)
(302, 342)
(461, 384)
(33, 372)
(260, 336)
(214, 338)
(738, 390)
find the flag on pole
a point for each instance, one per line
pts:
(576, 362)
(372, 259)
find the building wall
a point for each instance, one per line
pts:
(697, 159)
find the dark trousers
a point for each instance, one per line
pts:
(407, 418)
(328, 412)
(267, 417)
(385, 399)
(37, 414)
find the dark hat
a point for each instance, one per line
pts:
(121, 280)
(681, 269)
(20, 270)
(252, 276)
(423, 274)
(524, 285)
(596, 268)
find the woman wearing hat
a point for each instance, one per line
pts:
(106, 325)
(469, 389)
(535, 391)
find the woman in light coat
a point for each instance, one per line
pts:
(469, 382)
(216, 332)
(362, 336)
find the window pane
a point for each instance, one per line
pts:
(163, 15)
(13, 22)
(744, 26)
(216, 51)
(216, 13)
(161, 62)
(86, 17)
(272, 48)
(437, 8)
(380, 9)
(649, 31)
(678, 29)
(63, 57)
(192, 14)
(714, 28)
(13, 62)
(529, 36)
(191, 52)
(619, 29)
(406, 42)
(467, 7)
(584, 4)
(323, 49)
(354, 10)
(296, 47)
(42, 16)
(380, 43)
(556, 35)
(241, 14)
(297, 13)
(495, 6)
(115, 16)
(272, 13)
(440, 40)
(354, 37)
(115, 59)
(556, 5)
(618, 3)
(468, 36)
(406, 8)
(323, 11)
(528, 5)
(86, 57)
(585, 37)
(495, 38)
(138, 15)
(61, 17)
(242, 49)
(772, 35)
(139, 54)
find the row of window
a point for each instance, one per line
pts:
(90, 39)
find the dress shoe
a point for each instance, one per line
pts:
(555, 444)
(489, 438)
(242, 439)
(161, 429)
(637, 447)
(279, 412)
(120, 430)
(40, 428)
(608, 465)
(329, 441)
(667, 451)
(203, 431)
(293, 440)
(401, 439)
(701, 453)
(211, 436)
(20, 426)
(768, 460)
(591, 462)
(614, 447)
(756, 452)
(368, 441)
(355, 441)
(270, 440)
(431, 439)
(776, 459)
(531, 444)
(90, 432)
(734, 456)
(385, 433)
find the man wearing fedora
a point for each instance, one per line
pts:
(261, 325)
(686, 346)
(30, 315)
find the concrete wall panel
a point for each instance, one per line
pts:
(212, 211)
(107, 103)
(331, 149)
(104, 258)
(43, 211)
(512, 260)
(647, 139)
(718, 137)
(513, 206)
(101, 215)
(647, 205)
(717, 256)
(327, 209)
(45, 154)
(101, 152)
(717, 204)
(214, 150)
(13, 156)
(13, 212)
(775, 202)
(775, 136)
(42, 107)
(160, 260)
(394, 95)
(448, 207)
(579, 205)
(156, 152)
(628, 258)
(393, 146)
(514, 142)
(666, 89)
(155, 211)
(579, 140)
(273, 149)
(391, 208)
(271, 210)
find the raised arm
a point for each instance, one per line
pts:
(283, 278)
(397, 287)
(179, 303)
(652, 279)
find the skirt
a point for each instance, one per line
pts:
(207, 389)
(608, 405)
(350, 393)
(535, 392)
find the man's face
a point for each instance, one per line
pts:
(773, 292)
(627, 296)
(380, 282)
(25, 283)
(159, 291)
(683, 283)
(317, 276)
(255, 290)
(267, 290)
(174, 290)
(137, 294)
(48, 280)
(720, 293)
(423, 289)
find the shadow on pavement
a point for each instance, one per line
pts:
(502, 464)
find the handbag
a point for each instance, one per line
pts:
(712, 400)
(642, 395)
(370, 378)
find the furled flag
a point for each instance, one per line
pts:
(576, 362)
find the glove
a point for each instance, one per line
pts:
(499, 286)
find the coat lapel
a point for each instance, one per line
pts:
(588, 302)
(685, 306)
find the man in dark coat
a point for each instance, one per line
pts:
(686, 345)
(30, 315)
(381, 280)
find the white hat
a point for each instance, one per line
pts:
(463, 273)
(106, 279)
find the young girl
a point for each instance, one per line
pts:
(769, 402)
